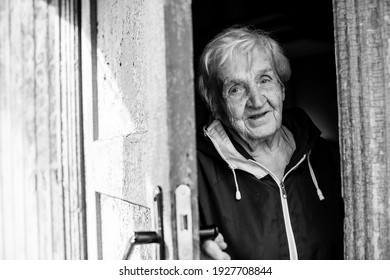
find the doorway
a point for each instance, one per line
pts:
(304, 28)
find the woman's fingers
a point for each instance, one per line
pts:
(214, 248)
(220, 241)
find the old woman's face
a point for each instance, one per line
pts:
(252, 96)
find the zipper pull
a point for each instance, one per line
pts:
(283, 190)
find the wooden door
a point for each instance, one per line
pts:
(128, 139)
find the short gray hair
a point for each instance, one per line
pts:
(223, 47)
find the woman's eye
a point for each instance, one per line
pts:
(265, 79)
(235, 90)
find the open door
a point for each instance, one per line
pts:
(129, 106)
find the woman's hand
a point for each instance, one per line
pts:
(213, 249)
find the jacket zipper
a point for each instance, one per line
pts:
(283, 190)
(292, 247)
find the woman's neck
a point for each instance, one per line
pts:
(282, 140)
(274, 153)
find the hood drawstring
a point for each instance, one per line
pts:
(238, 193)
(313, 177)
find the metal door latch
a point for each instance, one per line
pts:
(148, 237)
(184, 222)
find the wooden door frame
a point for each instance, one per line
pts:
(362, 46)
(45, 199)
(181, 108)
(72, 137)
(87, 73)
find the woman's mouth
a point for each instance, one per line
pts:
(257, 116)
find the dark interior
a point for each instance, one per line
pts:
(305, 30)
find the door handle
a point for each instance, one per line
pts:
(184, 213)
(140, 237)
(148, 237)
(208, 232)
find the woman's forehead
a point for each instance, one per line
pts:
(253, 61)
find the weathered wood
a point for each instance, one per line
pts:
(4, 54)
(39, 132)
(181, 106)
(55, 127)
(362, 35)
(88, 44)
(5, 151)
(26, 48)
(71, 132)
(18, 140)
(42, 128)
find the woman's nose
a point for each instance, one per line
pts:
(256, 99)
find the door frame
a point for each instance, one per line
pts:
(362, 47)
(181, 109)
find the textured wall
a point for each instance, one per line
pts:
(126, 122)
(362, 30)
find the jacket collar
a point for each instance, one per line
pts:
(296, 120)
(224, 146)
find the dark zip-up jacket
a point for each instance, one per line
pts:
(261, 217)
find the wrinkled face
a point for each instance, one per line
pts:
(252, 96)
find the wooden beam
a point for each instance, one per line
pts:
(181, 106)
(362, 37)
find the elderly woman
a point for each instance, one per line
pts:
(266, 178)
